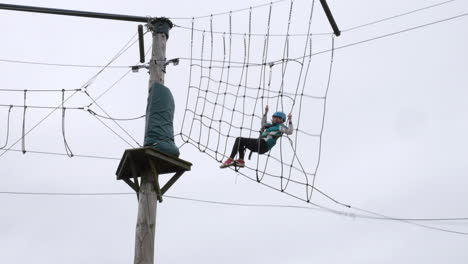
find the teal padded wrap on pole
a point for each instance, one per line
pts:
(159, 128)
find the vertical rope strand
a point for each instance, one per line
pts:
(189, 84)
(67, 147)
(308, 42)
(227, 83)
(324, 113)
(208, 81)
(7, 128)
(23, 130)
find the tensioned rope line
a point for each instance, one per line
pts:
(83, 87)
(340, 213)
(411, 221)
(39, 90)
(397, 16)
(121, 78)
(234, 33)
(229, 12)
(62, 64)
(85, 108)
(111, 86)
(239, 64)
(123, 50)
(114, 120)
(39, 107)
(291, 35)
(374, 22)
(255, 34)
(388, 35)
(65, 154)
(113, 131)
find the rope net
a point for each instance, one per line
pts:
(234, 76)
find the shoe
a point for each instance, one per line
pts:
(227, 163)
(240, 163)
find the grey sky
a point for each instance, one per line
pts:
(394, 140)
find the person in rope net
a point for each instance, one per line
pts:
(270, 134)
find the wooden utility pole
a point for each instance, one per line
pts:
(147, 202)
(146, 221)
(160, 155)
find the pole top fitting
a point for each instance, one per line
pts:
(160, 25)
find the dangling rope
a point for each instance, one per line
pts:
(7, 128)
(23, 130)
(67, 147)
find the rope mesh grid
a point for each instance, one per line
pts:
(226, 100)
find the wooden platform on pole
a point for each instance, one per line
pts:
(136, 162)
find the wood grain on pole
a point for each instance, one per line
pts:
(146, 221)
(147, 203)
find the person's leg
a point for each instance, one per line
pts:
(244, 143)
(237, 147)
(257, 145)
(262, 146)
(250, 143)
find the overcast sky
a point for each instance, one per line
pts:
(394, 140)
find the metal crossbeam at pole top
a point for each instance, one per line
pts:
(66, 12)
(141, 19)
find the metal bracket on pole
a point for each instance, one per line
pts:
(175, 62)
(141, 42)
(136, 68)
(160, 25)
